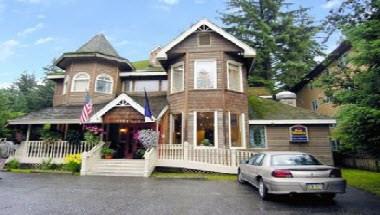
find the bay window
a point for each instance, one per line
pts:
(177, 78)
(205, 74)
(234, 76)
(205, 129)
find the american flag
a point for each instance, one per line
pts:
(87, 109)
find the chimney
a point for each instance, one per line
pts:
(152, 57)
(287, 97)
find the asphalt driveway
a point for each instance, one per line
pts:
(66, 194)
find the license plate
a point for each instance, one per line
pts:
(314, 186)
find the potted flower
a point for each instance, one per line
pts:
(107, 152)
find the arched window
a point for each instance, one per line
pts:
(80, 82)
(66, 84)
(103, 84)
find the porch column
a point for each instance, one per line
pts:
(28, 132)
(65, 131)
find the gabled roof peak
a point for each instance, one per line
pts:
(205, 24)
(100, 44)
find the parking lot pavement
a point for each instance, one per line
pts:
(66, 194)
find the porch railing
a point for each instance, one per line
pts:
(150, 161)
(186, 155)
(37, 151)
(89, 158)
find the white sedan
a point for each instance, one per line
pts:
(283, 172)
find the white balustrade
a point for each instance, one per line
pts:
(183, 154)
(36, 151)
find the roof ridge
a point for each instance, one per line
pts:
(100, 44)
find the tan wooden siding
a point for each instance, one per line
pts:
(93, 68)
(318, 145)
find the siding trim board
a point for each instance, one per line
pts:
(292, 121)
(248, 51)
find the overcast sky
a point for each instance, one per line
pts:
(33, 32)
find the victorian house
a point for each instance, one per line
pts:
(205, 114)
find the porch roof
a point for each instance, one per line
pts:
(71, 114)
(54, 115)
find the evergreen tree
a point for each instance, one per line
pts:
(284, 39)
(357, 86)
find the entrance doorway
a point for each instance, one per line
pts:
(123, 140)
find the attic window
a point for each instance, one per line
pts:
(204, 39)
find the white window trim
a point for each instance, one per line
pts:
(74, 79)
(265, 139)
(198, 43)
(196, 76)
(171, 126)
(240, 72)
(65, 84)
(242, 130)
(96, 83)
(215, 131)
(183, 77)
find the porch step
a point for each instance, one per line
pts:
(118, 167)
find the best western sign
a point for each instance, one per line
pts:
(298, 134)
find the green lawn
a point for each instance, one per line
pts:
(38, 171)
(190, 175)
(364, 180)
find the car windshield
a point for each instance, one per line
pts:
(294, 160)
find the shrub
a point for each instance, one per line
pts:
(140, 153)
(46, 164)
(358, 130)
(13, 164)
(107, 151)
(73, 162)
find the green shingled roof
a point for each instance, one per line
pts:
(145, 65)
(267, 109)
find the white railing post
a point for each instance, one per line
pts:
(233, 157)
(186, 151)
(83, 168)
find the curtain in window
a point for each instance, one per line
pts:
(234, 82)
(205, 74)
(177, 78)
(80, 82)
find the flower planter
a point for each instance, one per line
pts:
(107, 156)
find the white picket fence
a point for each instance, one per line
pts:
(207, 159)
(34, 152)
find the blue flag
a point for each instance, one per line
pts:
(147, 111)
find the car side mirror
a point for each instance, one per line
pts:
(244, 161)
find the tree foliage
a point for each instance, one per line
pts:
(357, 85)
(284, 39)
(24, 96)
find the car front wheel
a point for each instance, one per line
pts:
(240, 178)
(263, 191)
